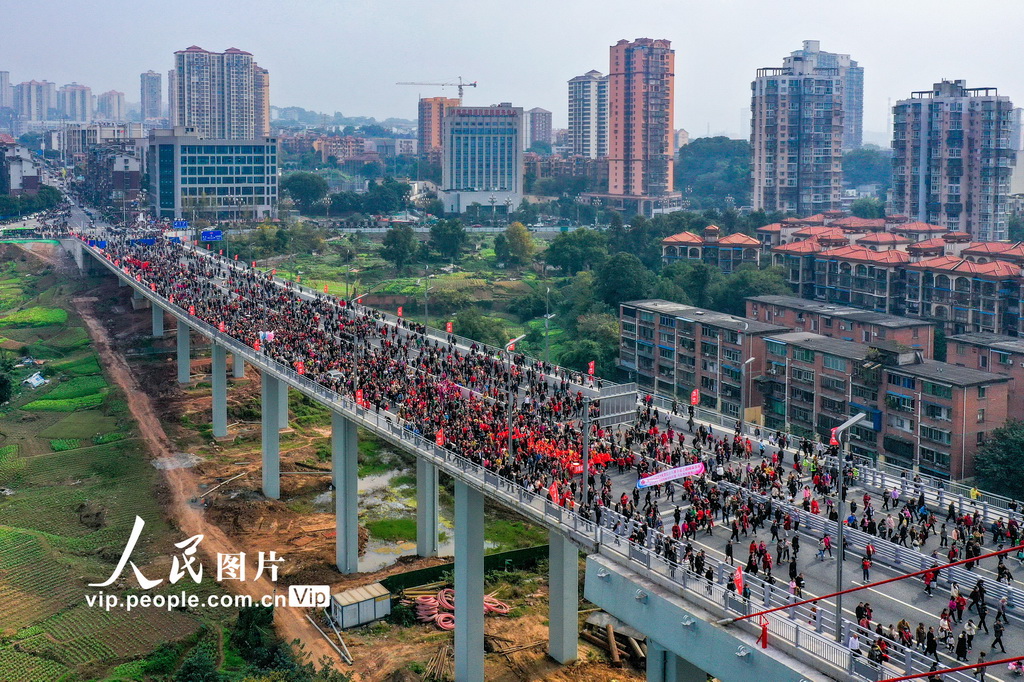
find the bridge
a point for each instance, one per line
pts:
(637, 581)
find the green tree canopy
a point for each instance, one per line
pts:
(997, 464)
(730, 295)
(305, 188)
(711, 170)
(580, 249)
(697, 279)
(520, 243)
(472, 324)
(622, 277)
(868, 165)
(447, 237)
(868, 207)
(400, 246)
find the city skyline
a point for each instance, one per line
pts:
(873, 32)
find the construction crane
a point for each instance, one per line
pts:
(460, 85)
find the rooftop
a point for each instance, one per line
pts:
(839, 311)
(943, 372)
(738, 239)
(918, 227)
(881, 238)
(824, 344)
(704, 316)
(1010, 344)
(866, 255)
(683, 238)
(960, 265)
(811, 245)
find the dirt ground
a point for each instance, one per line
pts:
(239, 518)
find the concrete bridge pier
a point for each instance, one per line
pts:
(282, 405)
(271, 436)
(158, 320)
(469, 583)
(665, 666)
(345, 469)
(427, 521)
(219, 379)
(184, 353)
(239, 366)
(121, 282)
(563, 600)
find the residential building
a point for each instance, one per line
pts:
(682, 139)
(18, 171)
(113, 176)
(191, 176)
(6, 90)
(861, 277)
(74, 102)
(261, 100)
(537, 126)
(220, 95)
(673, 349)
(588, 115)
(953, 158)
(921, 413)
(843, 322)
(852, 76)
(110, 106)
(963, 295)
(482, 157)
(35, 100)
(796, 137)
(989, 352)
(76, 139)
(339, 148)
(727, 253)
(641, 125)
(172, 96)
(151, 91)
(594, 170)
(431, 126)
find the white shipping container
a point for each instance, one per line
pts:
(360, 605)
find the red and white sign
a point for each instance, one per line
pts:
(511, 347)
(359, 396)
(192, 310)
(671, 475)
(832, 440)
(221, 327)
(399, 311)
(439, 438)
(300, 366)
(448, 327)
(695, 397)
(152, 287)
(236, 256)
(256, 344)
(590, 368)
(737, 579)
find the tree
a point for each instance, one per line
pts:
(520, 243)
(697, 279)
(622, 277)
(940, 344)
(868, 165)
(997, 464)
(730, 294)
(580, 249)
(199, 666)
(472, 324)
(579, 298)
(6, 388)
(399, 246)
(868, 207)
(578, 355)
(305, 188)
(501, 250)
(448, 237)
(714, 172)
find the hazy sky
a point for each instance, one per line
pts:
(346, 55)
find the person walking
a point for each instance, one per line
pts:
(998, 630)
(979, 671)
(970, 630)
(961, 647)
(865, 567)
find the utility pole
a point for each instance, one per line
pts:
(586, 452)
(840, 536)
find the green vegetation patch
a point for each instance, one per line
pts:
(62, 444)
(33, 582)
(393, 530)
(108, 438)
(68, 405)
(35, 317)
(79, 367)
(70, 338)
(18, 666)
(507, 534)
(78, 387)
(83, 424)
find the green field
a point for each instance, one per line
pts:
(35, 317)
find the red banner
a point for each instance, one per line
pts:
(832, 440)
(300, 367)
(695, 397)
(737, 579)
(553, 492)
(448, 327)
(399, 311)
(511, 347)
(152, 287)
(439, 438)
(192, 310)
(590, 368)
(220, 327)
(256, 344)
(359, 396)
(325, 288)
(236, 256)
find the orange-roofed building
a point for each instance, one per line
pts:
(859, 224)
(728, 253)
(882, 241)
(861, 277)
(918, 231)
(964, 296)
(983, 252)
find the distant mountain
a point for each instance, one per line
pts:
(307, 117)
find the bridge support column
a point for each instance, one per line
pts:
(184, 353)
(136, 294)
(282, 406)
(239, 366)
(469, 583)
(665, 666)
(158, 321)
(121, 282)
(427, 521)
(563, 598)
(271, 437)
(219, 379)
(345, 467)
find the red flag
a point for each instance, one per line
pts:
(138, 278)
(170, 298)
(359, 396)
(254, 264)
(737, 579)
(439, 438)
(256, 344)
(399, 311)
(590, 368)
(220, 252)
(152, 287)
(300, 367)
(553, 492)
(220, 326)
(191, 310)
(832, 440)
(695, 397)
(273, 273)
(448, 327)
(325, 288)
(236, 256)
(298, 278)
(511, 347)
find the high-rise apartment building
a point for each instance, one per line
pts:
(150, 89)
(588, 115)
(215, 93)
(6, 91)
(640, 123)
(537, 127)
(431, 126)
(796, 138)
(852, 76)
(482, 158)
(261, 104)
(110, 106)
(172, 89)
(35, 100)
(74, 101)
(953, 157)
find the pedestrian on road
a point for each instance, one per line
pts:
(998, 628)
(931, 647)
(961, 647)
(979, 672)
(982, 615)
(970, 630)
(865, 566)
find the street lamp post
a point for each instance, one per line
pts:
(840, 536)
(743, 389)
(547, 319)
(494, 214)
